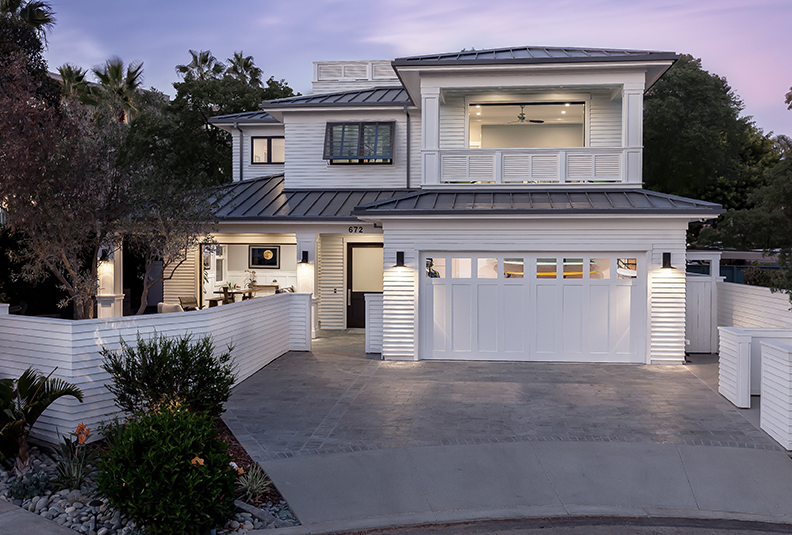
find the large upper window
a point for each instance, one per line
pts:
(268, 150)
(364, 143)
(526, 125)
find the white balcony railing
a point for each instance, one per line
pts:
(526, 166)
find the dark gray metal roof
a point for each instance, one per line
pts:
(246, 117)
(557, 201)
(381, 96)
(534, 54)
(266, 198)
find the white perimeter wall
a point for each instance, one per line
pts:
(260, 329)
(665, 291)
(740, 305)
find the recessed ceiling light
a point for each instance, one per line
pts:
(567, 104)
(478, 113)
(478, 106)
(563, 111)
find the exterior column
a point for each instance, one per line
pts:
(667, 295)
(632, 132)
(110, 297)
(430, 139)
(307, 273)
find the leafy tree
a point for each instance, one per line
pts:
(788, 99)
(73, 82)
(19, 42)
(243, 69)
(36, 14)
(203, 66)
(695, 142)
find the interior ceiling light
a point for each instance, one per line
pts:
(563, 111)
(478, 105)
(478, 113)
(567, 104)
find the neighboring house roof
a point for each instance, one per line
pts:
(556, 201)
(533, 54)
(246, 117)
(380, 96)
(266, 198)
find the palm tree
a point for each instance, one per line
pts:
(73, 82)
(21, 403)
(243, 69)
(35, 13)
(203, 66)
(120, 87)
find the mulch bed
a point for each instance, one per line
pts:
(241, 458)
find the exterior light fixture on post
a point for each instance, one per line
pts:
(304, 258)
(399, 258)
(667, 261)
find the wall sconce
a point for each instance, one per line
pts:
(399, 258)
(667, 261)
(304, 259)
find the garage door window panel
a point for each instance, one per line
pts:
(627, 268)
(573, 268)
(546, 268)
(513, 268)
(435, 268)
(487, 268)
(599, 268)
(461, 268)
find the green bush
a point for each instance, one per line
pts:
(170, 473)
(163, 370)
(758, 276)
(30, 485)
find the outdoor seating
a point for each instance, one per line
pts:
(189, 303)
(164, 308)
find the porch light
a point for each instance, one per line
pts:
(399, 258)
(304, 259)
(667, 261)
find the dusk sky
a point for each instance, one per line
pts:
(748, 42)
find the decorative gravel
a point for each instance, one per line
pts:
(82, 510)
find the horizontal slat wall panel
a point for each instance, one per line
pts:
(373, 323)
(734, 367)
(452, 123)
(605, 120)
(260, 330)
(740, 305)
(184, 282)
(332, 283)
(776, 414)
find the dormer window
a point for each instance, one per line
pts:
(267, 150)
(359, 143)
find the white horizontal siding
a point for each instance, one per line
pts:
(249, 169)
(332, 282)
(734, 370)
(305, 167)
(373, 323)
(776, 413)
(452, 123)
(740, 305)
(605, 124)
(260, 330)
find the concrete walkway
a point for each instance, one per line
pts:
(15, 520)
(356, 443)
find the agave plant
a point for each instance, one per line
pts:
(22, 401)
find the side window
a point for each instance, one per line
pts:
(267, 150)
(359, 143)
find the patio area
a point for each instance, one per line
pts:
(338, 399)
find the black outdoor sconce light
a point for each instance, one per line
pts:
(667, 261)
(304, 259)
(399, 258)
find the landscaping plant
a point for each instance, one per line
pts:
(169, 473)
(22, 401)
(74, 459)
(163, 370)
(253, 484)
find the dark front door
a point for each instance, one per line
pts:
(364, 276)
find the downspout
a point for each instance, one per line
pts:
(407, 114)
(236, 126)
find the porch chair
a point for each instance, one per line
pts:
(189, 303)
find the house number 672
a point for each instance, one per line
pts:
(356, 230)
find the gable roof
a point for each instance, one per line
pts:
(533, 54)
(245, 117)
(544, 201)
(379, 96)
(266, 198)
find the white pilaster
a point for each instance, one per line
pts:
(430, 138)
(632, 131)
(110, 296)
(307, 273)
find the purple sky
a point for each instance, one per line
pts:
(748, 42)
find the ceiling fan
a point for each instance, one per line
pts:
(521, 117)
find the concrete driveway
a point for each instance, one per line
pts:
(353, 442)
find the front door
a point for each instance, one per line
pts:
(364, 275)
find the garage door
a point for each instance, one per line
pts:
(533, 306)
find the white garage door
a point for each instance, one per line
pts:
(533, 306)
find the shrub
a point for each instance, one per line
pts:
(169, 473)
(22, 401)
(758, 276)
(30, 485)
(162, 370)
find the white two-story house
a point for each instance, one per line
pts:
(488, 203)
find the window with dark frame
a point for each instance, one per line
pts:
(269, 149)
(359, 143)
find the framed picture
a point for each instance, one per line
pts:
(264, 257)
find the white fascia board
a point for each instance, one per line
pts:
(291, 226)
(476, 219)
(278, 113)
(504, 80)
